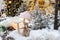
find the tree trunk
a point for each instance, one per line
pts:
(56, 15)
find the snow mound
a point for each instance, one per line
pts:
(5, 22)
(0, 38)
(43, 34)
(8, 21)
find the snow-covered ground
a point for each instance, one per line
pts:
(0, 38)
(5, 22)
(43, 34)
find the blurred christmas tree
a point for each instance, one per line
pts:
(12, 6)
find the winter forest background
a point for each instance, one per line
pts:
(42, 19)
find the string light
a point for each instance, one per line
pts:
(10, 2)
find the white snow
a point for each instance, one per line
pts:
(0, 38)
(5, 22)
(43, 34)
(8, 21)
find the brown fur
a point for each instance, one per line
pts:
(26, 31)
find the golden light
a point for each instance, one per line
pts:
(10, 2)
(47, 3)
(8, 6)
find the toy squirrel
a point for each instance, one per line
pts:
(26, 30)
